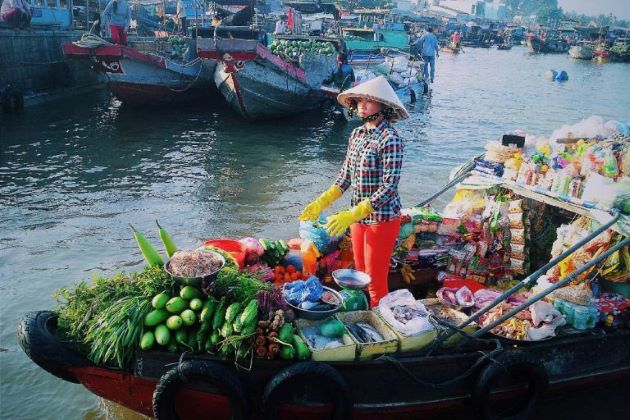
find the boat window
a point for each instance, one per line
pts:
(51, 3)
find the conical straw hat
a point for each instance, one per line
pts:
(379, 90)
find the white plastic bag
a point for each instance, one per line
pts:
(404, 298)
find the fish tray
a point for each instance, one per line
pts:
(345, 353)
(366, 351)
(454, 317)
(426, 338)
(411, 342)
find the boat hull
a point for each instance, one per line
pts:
(580, 52)
(139, 78)
(536, 45)
(258, 91)
(260, 85)
(406, 383)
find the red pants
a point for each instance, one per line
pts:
(373, 246)
(119, 35)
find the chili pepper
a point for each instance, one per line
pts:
(148, 251)
(169, 245)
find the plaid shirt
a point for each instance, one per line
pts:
(372, 167)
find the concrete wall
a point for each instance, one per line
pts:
(32, 61)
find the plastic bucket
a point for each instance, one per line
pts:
(232, 247)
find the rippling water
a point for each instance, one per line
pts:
(74, 174)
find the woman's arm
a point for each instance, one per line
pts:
(391, 153)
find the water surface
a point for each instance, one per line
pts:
(74, 174)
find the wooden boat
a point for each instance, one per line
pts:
(409, 385)
(548, 46)
(258, 84)
(142, 77)
(581, 52)
(450, 49)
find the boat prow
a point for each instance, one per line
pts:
(260, 85)
(139, 78)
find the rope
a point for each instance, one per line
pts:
(436, 385)
(193, 81)
(441, 327)
(89, 40)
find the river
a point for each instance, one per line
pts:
(75, 173)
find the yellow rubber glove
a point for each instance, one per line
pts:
(340, 222)
(313, 210)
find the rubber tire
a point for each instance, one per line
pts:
(323, 375)
(510, 363)
(171, 381)
(41, 345)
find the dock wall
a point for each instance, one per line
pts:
(32, 61)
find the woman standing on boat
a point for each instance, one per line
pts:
(118, 14)
(372, 167)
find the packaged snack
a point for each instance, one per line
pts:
(516, 220)
(518, 251)
(518, 236)
(517, 266)
(515, 206)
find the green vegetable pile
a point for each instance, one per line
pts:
(237, 316)
(189, 323)
(274, 251)
(105, 318)
(292, 49)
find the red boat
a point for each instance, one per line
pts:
(437, 382)
(140, 77)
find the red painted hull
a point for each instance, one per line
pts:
(136, 393)
(141, 78)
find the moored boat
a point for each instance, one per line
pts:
(139, 75)
(581, 52)
(547, 46)
(258, 84)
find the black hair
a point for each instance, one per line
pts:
(430, 29)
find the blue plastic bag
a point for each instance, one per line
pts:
(316, 233)
(300, 291)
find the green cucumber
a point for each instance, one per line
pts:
(174, 322)
(286, 333)
(195, 304)
(181, 337)
(232, 311)
(155, 317)
(176, 305)
(208, 309)
(219, 315)
(287, 353)
(189, 293)
(159, 301)
(162, 335)
(188, 317)
(147, 341)
(301, 349)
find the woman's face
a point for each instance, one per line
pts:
(367, 107)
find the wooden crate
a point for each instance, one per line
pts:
(366, 351)
(345, 353)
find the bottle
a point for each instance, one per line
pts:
(310, 253)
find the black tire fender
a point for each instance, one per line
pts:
(326, 377)
(201, 371)
(509, 364)
(35, 334)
